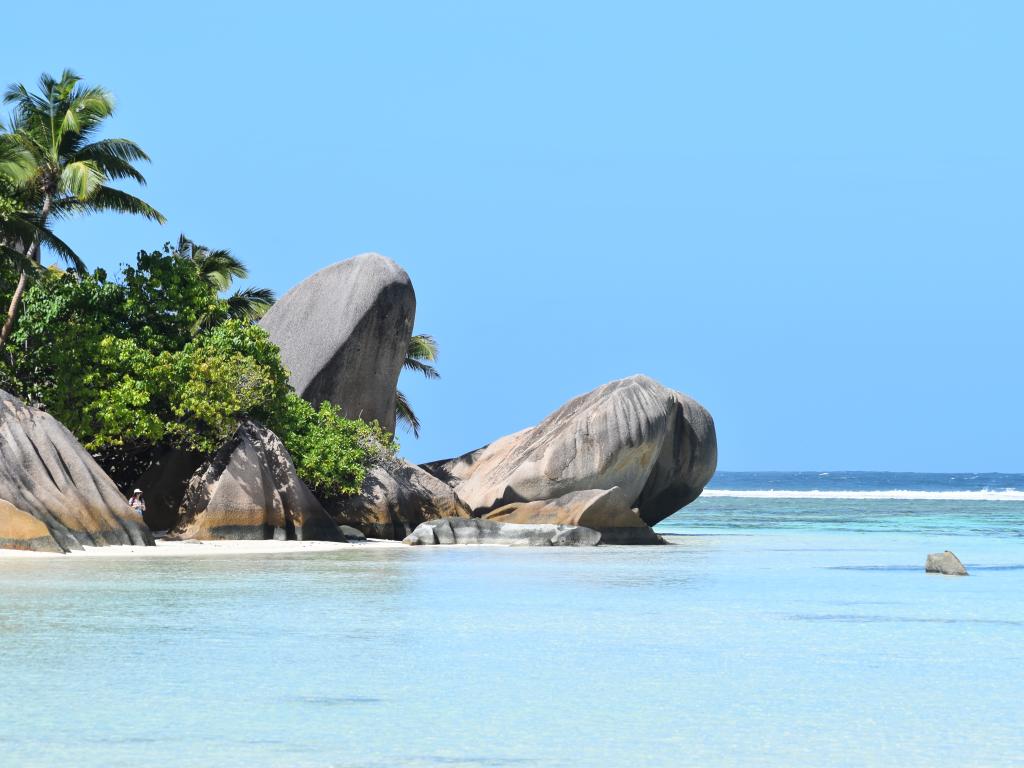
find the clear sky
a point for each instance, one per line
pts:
(807, 215)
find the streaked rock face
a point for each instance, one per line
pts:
(604, 511)
(344, 332)
(53, 496)
(250, 490)
(657, 446)
(394, 500)
(946, 563)
(476, 531)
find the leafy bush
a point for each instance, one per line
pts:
(123, 366)
(331, 453)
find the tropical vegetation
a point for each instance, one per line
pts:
(57, 166)
(419, 357)
(220, 268)
(164, 356)
(130, 368)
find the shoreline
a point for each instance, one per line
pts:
(211, 548)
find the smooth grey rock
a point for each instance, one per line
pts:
(477, 531)
(344, 333)
(250, 490)
(605, 511)
(395, 498)
(351, 534)
(946, 563)
(55, 496)
(656, 445)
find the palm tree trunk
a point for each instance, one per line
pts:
(12, 310)
(32, 255)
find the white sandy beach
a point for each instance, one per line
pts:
(166, 548)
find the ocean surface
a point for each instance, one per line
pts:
(789, 624)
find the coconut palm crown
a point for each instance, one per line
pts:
(60, 168)
(220, 268)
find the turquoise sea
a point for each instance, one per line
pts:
(789, 624)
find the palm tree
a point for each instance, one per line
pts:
(59, 166)
(220, 268)
(421, 353)
(18, 226)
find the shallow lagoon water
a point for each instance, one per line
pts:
(774, 632)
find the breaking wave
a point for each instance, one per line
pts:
(1007, 494)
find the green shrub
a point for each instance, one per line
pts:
(331, 453)
(122, 365)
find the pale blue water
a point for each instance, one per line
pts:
(775, 632)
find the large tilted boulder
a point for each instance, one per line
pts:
(945, 563)
(250, 490)
(656, 445)
(394, 500)
(476, 531)
(344, 332)
(605, 511)
(53, 496)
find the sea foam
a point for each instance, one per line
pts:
(1008, 494)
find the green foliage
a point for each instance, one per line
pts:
(331, 453)
(9, 205)
(58, 157)
(219, 268)
(419, 356)
(226, 374)
(52, 156)
(122, 365)
(166, 297)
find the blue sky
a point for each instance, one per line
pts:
(807, 215)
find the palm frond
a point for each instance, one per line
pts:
(219, 267)
(15, 162)
(17, 260)
(82, 178)
(114, 157)
(62, 249)
(26, 104)
(426, 369)
(250, 303)
(422, 346)
(110, 199)
(82, 108)
(404, 414)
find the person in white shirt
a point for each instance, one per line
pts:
(136, 502)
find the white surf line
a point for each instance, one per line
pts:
(986, 495)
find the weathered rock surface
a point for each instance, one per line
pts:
(164, 485)
(344, 332)
(458, 530)
(53, 496)
(19, 530)
(656, 445)
(394, 500)
(250, 490)
(946, 563)
(604, 511)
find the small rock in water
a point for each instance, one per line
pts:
(946, 563)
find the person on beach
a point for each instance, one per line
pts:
(136, 502)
